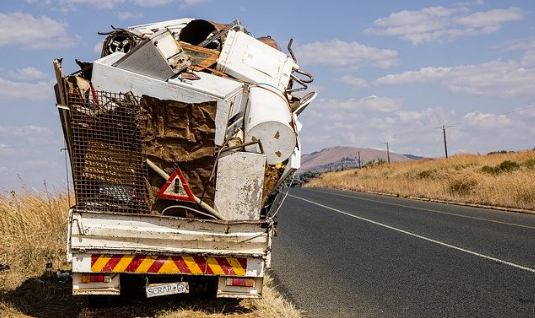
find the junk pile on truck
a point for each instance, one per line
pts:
(182, 139)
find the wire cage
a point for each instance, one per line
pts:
(108, 164)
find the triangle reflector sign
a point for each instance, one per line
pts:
(176, 188)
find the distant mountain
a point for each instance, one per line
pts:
(336, 158)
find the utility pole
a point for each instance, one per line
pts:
(359, 160)
(387, 152)
(443, 127)
(445, 143)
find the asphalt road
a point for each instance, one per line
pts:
(345, 254)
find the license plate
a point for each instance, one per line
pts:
(154, 290)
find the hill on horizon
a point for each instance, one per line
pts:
(341, 157)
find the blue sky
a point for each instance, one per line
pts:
(386, 71)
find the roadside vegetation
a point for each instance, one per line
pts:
(501, 179)
(33, 233)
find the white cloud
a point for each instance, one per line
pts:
(23, 131)
(33, 33)
(469, 4)
(125, 15)
(345, 55)
(356, 82)
(43, 164)
(29, 73)
(67, 5)
(27, 138)
(514, 45)
(352, 108)
(441, 23)
(6, 150)
(151, 3)
(486, 120)
(20, 91)
(490, 21)
(515, 78)
(495, 79)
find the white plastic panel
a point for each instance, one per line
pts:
(174, 26)
(239, 183)
(251, 60)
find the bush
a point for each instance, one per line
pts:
(504, 166)
(303, 178)
(462, 186)
(427, 174)
(508, 166)
(489, 170)
(372, 163)
(530, 164)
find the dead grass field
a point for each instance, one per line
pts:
(33, 230)
(502, 179)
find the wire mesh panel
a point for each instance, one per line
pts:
(109, 166)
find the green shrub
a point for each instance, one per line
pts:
(489, 170)
(504, 166)
(530, 164)
(508, 166)
(426, 174)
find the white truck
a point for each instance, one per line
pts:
(182, 137)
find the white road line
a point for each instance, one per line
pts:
(434, 211)
(419, 236)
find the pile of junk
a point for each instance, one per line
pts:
(186, 118)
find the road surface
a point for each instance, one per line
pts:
(345, 254)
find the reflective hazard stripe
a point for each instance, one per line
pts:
(195, 265)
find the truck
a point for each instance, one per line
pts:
(183, 137)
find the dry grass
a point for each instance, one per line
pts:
(33, 230)
(505, 180)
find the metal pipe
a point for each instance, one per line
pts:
(187, 208)
(203, 205)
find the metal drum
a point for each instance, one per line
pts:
(269, 120)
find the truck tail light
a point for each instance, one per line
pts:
(242, 282)
(92, 278)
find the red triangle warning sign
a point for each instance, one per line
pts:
(176, 188)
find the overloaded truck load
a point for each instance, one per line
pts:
(183, 137)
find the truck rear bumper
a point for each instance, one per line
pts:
(168, 264)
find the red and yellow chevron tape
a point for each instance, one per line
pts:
(195, 265)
